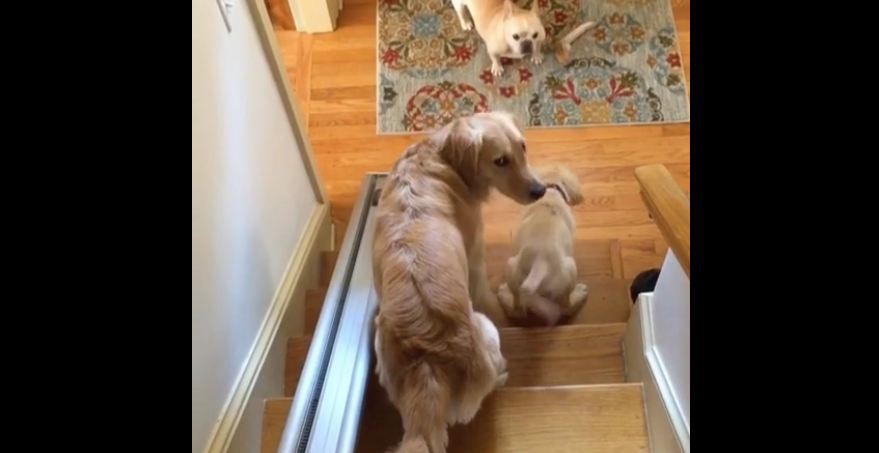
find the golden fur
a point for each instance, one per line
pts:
(541, 279)
(436, 357)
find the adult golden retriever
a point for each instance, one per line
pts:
(437, 357)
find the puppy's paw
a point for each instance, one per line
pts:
(576, 299)
(580, 292)
(537, 58)
(496, 69)
(466, 25)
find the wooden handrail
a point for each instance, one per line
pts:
(669, 207)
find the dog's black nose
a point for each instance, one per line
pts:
(527, 47)
(537, 191)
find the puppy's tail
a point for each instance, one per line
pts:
(546, 309)
(572, 36)
(532, 300)
(424, 405)
(539, 271)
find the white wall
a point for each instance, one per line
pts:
(251, 199)
(671, 330)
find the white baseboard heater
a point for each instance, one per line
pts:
(325, 414)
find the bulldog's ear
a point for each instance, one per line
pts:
(508, 8)
(534, 6)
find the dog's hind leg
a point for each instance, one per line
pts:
(487, 371)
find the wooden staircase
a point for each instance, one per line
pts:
(277, 409)
(566, 393)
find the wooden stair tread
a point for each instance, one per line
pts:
(274, 418)
(297, 350)
(564, 355)
(605, 418)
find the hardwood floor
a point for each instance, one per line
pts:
(334, 77)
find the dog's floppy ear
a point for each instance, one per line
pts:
(572, 185)
(461, 149)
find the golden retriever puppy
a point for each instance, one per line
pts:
(437, 358)
(541, 279)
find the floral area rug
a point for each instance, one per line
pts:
(626, 70)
